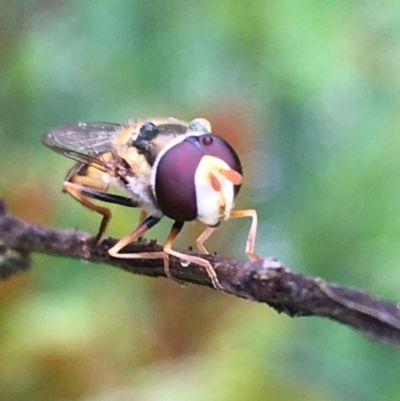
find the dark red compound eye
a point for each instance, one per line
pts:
(175, 188)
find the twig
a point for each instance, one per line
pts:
(266, 280)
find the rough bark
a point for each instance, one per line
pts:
(266, 280)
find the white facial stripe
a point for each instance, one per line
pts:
(212, 205)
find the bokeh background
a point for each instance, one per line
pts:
(309, 94)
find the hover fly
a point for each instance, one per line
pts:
(165, 167)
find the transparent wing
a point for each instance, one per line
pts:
(83, 142)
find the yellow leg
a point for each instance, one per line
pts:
(167, 249)
(76, 191)
(203, 238)
(251, 239)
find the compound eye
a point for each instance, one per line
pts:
(148, 131)
(174, 184)
(214, 145)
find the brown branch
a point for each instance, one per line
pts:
(266, 280)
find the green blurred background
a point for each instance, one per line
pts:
(308, 93)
